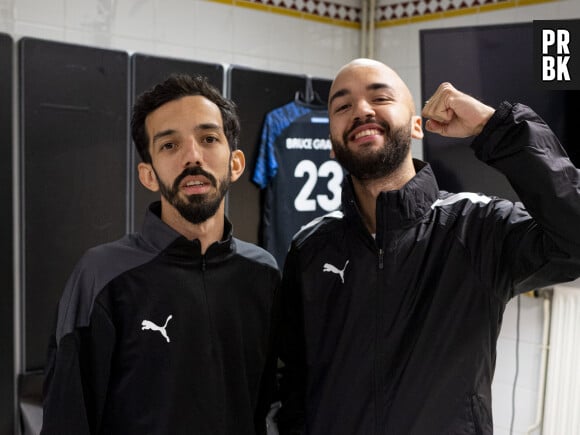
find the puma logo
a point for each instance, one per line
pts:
(147, 324)
(330, 268)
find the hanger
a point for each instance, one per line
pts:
(309, 96)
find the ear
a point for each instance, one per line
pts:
(147, 176)
(416, 129)
(238, 164)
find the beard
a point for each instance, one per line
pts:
(196, 208)
(374, 164)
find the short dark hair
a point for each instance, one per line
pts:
(173, 88)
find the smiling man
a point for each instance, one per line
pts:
(392, 306)
(169, 330)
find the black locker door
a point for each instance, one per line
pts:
(74, 138)
(6, 245)
(146, 71)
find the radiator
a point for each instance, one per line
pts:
(562, 400)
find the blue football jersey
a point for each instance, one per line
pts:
(294, 167)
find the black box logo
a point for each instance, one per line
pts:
(557, 54)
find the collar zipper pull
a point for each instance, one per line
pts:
(381, 256)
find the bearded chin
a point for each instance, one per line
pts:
(196, 208)
(377, 164)
(199, 209)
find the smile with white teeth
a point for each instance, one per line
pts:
(368, 132)
(194, 183)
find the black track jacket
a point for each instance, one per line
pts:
(154, 338)
(396, 335)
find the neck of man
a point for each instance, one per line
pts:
(367, 191)
(207, 232)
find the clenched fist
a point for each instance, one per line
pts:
(452, 113)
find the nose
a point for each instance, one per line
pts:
(192, 153)
(363, 110)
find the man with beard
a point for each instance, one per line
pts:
(169, 330)
(391, 308)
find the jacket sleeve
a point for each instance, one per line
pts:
(290, 417)
(268, 394)
(541, 248)
(77, 373)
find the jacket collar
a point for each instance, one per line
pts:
(398, 208)
(162, 238)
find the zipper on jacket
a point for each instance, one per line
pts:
(203, 263)
(380, 229)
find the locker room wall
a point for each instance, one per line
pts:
(146, 71)
(73, 134)
(256, 93)
(6, 245)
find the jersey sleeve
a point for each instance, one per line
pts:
(77, 374)
(538, 244)
(266, 163)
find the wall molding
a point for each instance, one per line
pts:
(407, 12)
(396, 14)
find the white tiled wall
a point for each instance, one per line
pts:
(398, 47)
(215, 32)
(190, 29)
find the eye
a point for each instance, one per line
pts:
(168, 146)
(383, 99)
(341, 108)
(211, 139)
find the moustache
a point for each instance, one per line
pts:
(195, 170)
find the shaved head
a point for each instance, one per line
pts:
(361, 68)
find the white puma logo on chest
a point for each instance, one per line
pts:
(147, 324)
(330, 268)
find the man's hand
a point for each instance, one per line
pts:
(452, 113)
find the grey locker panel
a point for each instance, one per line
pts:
(74, 140)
